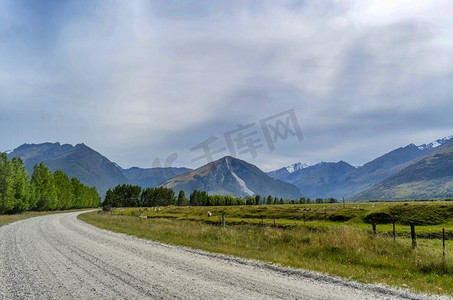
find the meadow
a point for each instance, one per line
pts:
(330, 238)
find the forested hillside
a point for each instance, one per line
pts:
(42, 191)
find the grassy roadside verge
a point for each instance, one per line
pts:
(343, 251)
(7, 219)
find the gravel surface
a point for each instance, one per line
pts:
(61, 257)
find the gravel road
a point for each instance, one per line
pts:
(61, 257)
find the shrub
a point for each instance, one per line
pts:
(379, 217)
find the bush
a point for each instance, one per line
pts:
(344, 215)
(379, 218)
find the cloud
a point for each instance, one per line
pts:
(138, 80)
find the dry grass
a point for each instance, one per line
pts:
(343, 251)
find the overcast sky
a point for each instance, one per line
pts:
(140, 80)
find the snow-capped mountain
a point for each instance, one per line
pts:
(435, 144)
(431, 176)
(232, 176)
(282, 173)
(297, 166)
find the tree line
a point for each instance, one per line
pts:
(43, 191)
(127, 195)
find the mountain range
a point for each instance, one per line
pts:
(412, 171)
(428, 177)
(341, 180)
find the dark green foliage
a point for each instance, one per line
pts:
(44, 191)
(269, 200)
(182, 200)
(201, 198)
(158, 196)
(198, 198)
(250, 201)
(257, 199)
(345, 214)
(378, 218)
(127, 195)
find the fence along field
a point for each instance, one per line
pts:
(432, 220)
(337, 239)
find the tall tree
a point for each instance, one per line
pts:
(182, 200)
(21, 186)
(7, 200)
(45, 192)
(65, 193)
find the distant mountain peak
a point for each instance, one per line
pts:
(232, 176)
(434, 144)
(239, 180)
(297, 166)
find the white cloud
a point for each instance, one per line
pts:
(137, 79)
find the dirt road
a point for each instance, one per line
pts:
(60, 257)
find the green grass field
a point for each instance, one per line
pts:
(333, 239)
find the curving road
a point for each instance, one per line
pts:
(60, 257)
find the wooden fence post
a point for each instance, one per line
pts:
(304, 218)
(373, 226)
(274, 222)
(443, 242)
(223, 220)
(413, 236)
(394, 231)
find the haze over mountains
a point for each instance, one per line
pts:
(412, 171)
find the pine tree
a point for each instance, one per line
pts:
(182, 200)
(269, 200)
